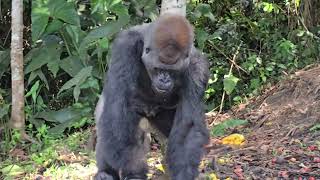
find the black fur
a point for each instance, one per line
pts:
(127, 97)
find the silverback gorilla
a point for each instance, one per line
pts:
(155, 73)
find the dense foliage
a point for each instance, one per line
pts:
(67, 47)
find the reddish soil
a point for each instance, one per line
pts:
(280, 143)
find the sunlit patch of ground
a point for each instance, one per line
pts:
(66, 158)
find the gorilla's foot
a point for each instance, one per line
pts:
(134, 177)
(103, 176)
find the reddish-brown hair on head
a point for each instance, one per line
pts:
(173, 35)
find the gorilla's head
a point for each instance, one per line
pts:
(166, 50)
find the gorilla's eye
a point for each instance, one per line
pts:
(147, 50)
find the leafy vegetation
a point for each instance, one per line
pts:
(220, 129)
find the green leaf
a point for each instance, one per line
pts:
(254, 83)
(33, 91)
(53, 66)
(72, 65)
(201, 37)
(229, 83)
(74, 32)
(90, 83)
(54, 26)
(63, 115)
(259, 60)
(48, 53)
(78, 79)
(204, 10)
(12, 170)
(103, 43)
(76, 93)
(267, 7)
(105, 31)
(38, 73)
(39, 19)
(269, 68)
(61, 9)
(315, 127)
(220, 129)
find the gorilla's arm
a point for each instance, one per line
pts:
(117, 125)
(189, 133)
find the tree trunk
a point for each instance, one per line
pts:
(310, 13)
(17, 76)
(173, 6)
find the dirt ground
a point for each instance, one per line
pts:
(280, 141)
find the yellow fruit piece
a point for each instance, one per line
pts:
(151, 160)
(221, 161)
(149, 175)
(234, 139)
(160, 167)
(213, 176)
(203, 164)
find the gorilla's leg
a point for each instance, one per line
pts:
(120, 143)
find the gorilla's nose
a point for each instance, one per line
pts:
(165, 81)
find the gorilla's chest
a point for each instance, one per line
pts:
(149, 105)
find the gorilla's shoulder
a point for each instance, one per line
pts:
(131, 35)
(199, 67)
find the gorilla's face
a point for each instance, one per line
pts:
(166, 52)
(165, 78)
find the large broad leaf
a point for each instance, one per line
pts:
(220, 129)
(39, 19)
(12, 170)
(53, 66)
(61, 9)
(64, 117)
(201, 36)
(33, 91)
(106, 30)
(205, 10)
(48, 53)
(78, 79)
(72, 65)
(38, 73)
(229, 83)
(54, 26)
(4, 61)
(74, 36)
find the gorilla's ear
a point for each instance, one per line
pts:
(173, 36)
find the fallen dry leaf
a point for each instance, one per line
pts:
(239, 172)
(213, 176)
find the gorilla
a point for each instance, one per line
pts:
(155, 73)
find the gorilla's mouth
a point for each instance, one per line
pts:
(161, 91)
